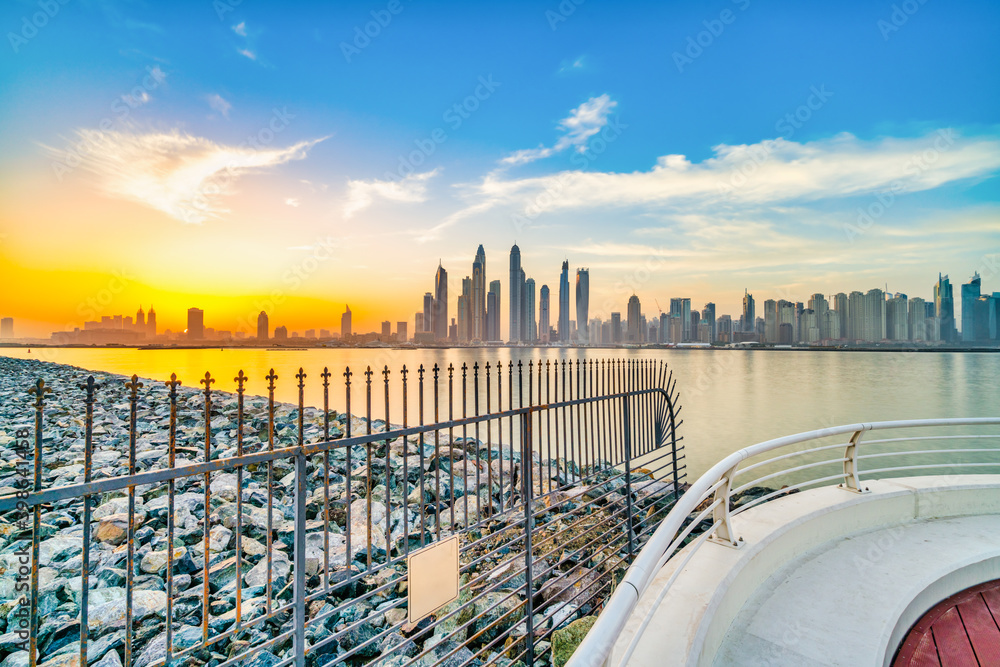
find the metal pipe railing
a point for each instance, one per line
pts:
(596, 648)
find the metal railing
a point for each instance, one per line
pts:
(541, 543)
(706, 510)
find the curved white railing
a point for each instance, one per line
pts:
(716, 488)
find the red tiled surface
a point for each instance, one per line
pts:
(962, 631)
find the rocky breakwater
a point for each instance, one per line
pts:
(366, 507)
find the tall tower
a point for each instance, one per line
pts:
(345, 323)
(634, 316)
(441, 303)
(493, 312)
(429, 312)
(582, 305)
(262, 327)
(944, 304)
(479, 295)
(543, 314)
(531, 333)
(140, 320)
(971, 291)
(514, 325)
(151, 324)
(749, 312)
(196, 324)
(564, 303)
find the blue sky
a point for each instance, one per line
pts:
(578, 104)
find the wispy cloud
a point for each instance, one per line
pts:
(218, 103)
(293, 202)
(837, 167)
(582, 123)
(240, 28)
(572, 66)
(362, 194)
(184, 176)
(248, 53)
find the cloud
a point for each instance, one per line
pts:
(218, 103)
(574, 66)
(135, 101)
(184, 176)
(240, 28)
(248, 53)
(293, 202)
(766, 173)
(582, 123)
(362, 194)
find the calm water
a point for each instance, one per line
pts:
(730, 399)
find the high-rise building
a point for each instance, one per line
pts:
(196, 324)
(543, 314)
(582, 305)
(465, 311)
(681, 308)
(634, 320)
(7, 327)
(708, 315)
(441, 303)
(874, 317)
(616, 328)
(724, 328)
(493, 305)
(516, 294)
(401, 334)
(841, 307)
(771, 321)
(856, 316)
(528, 311)
(262, 328)
(151, 323)
(428, 312)
(345, 323)
(897, 318)
(971, 291)
(140, 321)
(419, 330)
(749, 312)
(663, 335)
(564, 303)
(917, 319)
(280, 333)
(386, 331)
(944, 308)
(479, 296)
(819, 305)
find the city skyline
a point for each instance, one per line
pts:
(302, 184)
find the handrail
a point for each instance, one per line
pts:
(595, 650)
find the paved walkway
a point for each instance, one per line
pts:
(829, 607)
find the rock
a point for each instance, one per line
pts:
(262, 659)
(111, 616)
(565, 641)
(110, 659)
(495, 613)
(16, 659)
(219, 538)
(155, 562)
(112, 529)
(280, 569)
(184, 636)
(358, 636)
(58, 549)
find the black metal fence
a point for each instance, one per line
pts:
(182, 547)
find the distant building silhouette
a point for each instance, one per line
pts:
(7, 327)
(516, 295)
(582, 305)
(544, 327)
(262, 328)
(345, 323)
(564, 303)
(479, 295)
(441, 303)
(196, 324)
(944, 306)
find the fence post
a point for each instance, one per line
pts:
(300, 558)
(38, 391)
(628, 476)
(527, 465)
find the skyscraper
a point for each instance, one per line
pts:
(196, 324)
(514, 330)
(543, 314)
(151, 323)
(840, 305)
(616, 328)
(428, 312)
(531, 333)
(401, 332)
(819, 305)
(479, 295)
(386, 330)
(944, 306)
(262, 328)
(971, 291)
(345, 323)
(634, 320)
(7, 327)
(582, 305)
(749, 312)
(564, 303)
(441, 303)
(708, 315)
(465, 311)
(493, 312)
(140, 321)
